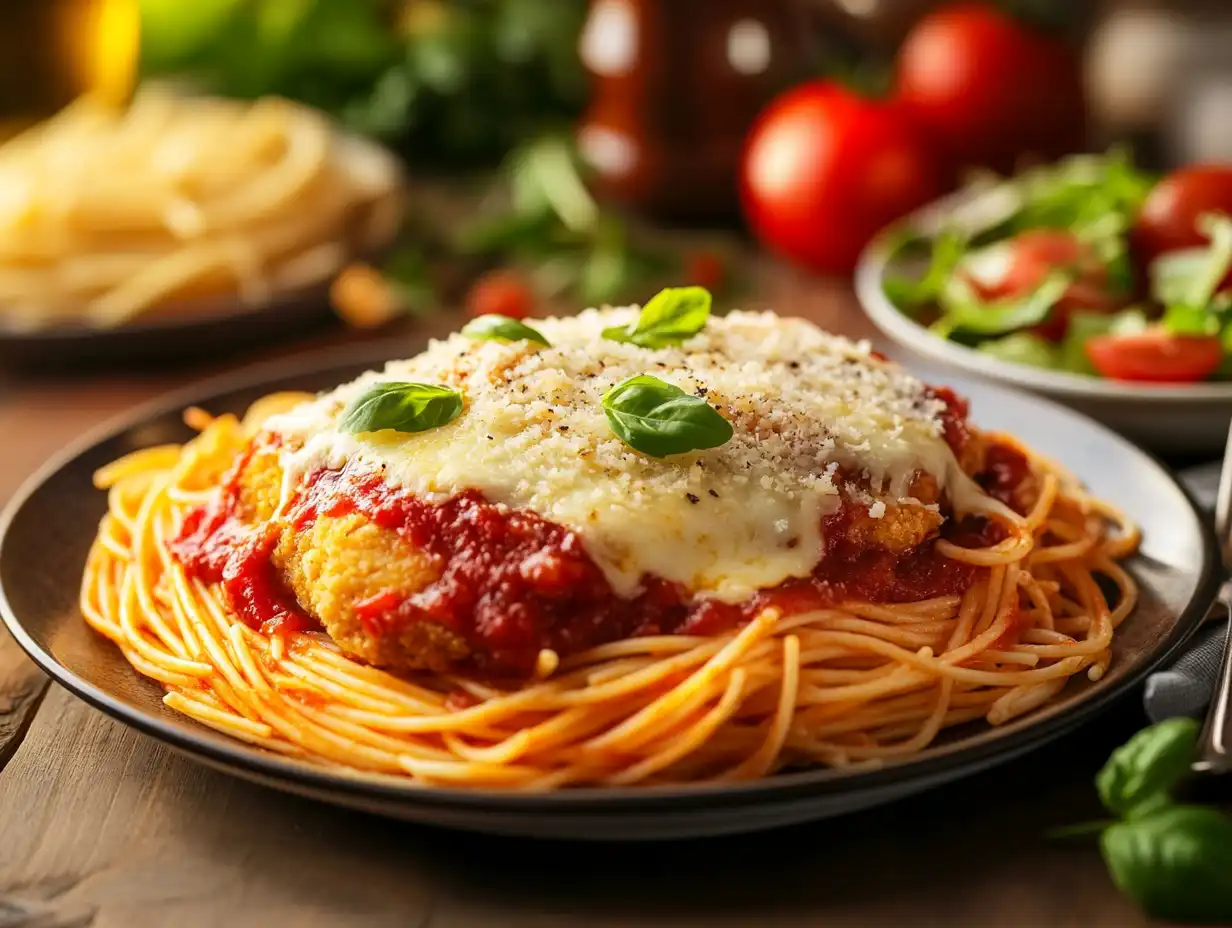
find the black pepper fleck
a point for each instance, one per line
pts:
(692, 498)
(794, 365)
(564, 428)
(714, 493)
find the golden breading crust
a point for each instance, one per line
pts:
(902, 526)
(339, 561)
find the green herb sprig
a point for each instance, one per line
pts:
(668, 318)
(401, 407)
(660, 419)
(555, 227)
(1173, 859)
(493, 327)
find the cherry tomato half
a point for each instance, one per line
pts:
(1037, 253)
(1155, 356)
(989, 89)
(500, 293)
(1167, 220)
(825, 169)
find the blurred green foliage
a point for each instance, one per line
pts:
(454, 83)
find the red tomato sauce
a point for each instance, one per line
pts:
(512, 583)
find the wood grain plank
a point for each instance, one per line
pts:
(102, 827)
(105, 827)
(21, 690)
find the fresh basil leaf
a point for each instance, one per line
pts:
(1021, 348)
(660, 419)
(1176, 863)
(964, 310)
(402, 407)
(545, 176)
(493, 327)
(530, 234)
(1082, 327)
(669, 318)
(1148, 766)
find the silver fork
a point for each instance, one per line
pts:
(1215, 741)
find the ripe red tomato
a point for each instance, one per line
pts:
(1155, 356)
(500, 293)
(824, 169)
(990, 89)
(1167, 220)
(1037, 253)
(705, 269)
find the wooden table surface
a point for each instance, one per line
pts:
(101, 826)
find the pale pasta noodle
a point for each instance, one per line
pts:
(108, 215)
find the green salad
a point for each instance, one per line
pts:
(1090, 266)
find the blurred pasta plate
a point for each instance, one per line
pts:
(180, 208)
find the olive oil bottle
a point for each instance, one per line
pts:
(54, 51)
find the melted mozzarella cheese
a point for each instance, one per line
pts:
(724, 522)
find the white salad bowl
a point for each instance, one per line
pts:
(1170, 420)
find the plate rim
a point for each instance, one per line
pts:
(868, 278)
(664, 799)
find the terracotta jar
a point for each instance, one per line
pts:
(676, 85)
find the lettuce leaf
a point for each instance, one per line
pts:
(965, 311)
(1085, 326)
(1022, 348)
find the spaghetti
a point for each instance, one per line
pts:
(108, 214)
(856, 682)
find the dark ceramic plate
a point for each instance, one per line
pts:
(203, 329)
(48, 527)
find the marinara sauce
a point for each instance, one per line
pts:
(511, 583)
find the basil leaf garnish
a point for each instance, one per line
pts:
(670, 317)
(1142, 771)
(1175, 862)
(402, 407)
(659, 419)
(502, 328)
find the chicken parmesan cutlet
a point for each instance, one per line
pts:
(522, 520)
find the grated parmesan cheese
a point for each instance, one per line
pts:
(803, 403)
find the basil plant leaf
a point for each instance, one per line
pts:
(401, 407)
(493, 327)
(1140, 774)
(1176, 863)
(660, 419)
(669, 318)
